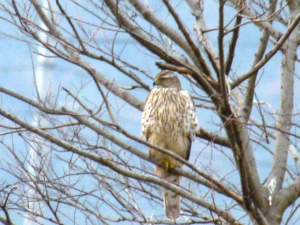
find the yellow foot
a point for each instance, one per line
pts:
(167, 163)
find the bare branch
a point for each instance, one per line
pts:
(247, 105)
(69, 137)
(269, 55)
(286, 107)
(108, 163)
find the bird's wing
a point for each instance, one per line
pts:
(191, 116)
(147, 117)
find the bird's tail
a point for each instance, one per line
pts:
(171, 199)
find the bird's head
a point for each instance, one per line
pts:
(167, 79)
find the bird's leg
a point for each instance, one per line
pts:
(167, 163)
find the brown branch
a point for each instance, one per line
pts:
(276, 178)
(111, 165)
(200, 27)
(136, 33)
(233, 42)
(216, 185)
(213, 138)
(72, 25)
(225, 108)
(246, 107)
(287, 196)
(160, 25)
(253, 191)
(77, 60)
(269, 55)
(204, 67)
(262, 24)
(211, 82)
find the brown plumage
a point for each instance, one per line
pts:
(169, 121)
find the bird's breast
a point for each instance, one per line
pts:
(168, 112)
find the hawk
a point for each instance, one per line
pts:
(169, 120)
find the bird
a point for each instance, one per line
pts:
(169, 121)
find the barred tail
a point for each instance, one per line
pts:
(171, 199)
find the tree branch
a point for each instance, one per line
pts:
(200, 26)
(287, 196)
(135, 32)
(223, 80)
(204, 68)
(276, 177)
(233, 41)
(269, 55)
(264, 25)
(77, 60)
(246, 108)
(111, 165)
(169, 32)
(214, 184)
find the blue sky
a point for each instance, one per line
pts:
(18, 66)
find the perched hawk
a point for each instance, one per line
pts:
(169, 121)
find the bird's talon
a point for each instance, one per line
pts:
(167, 163)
